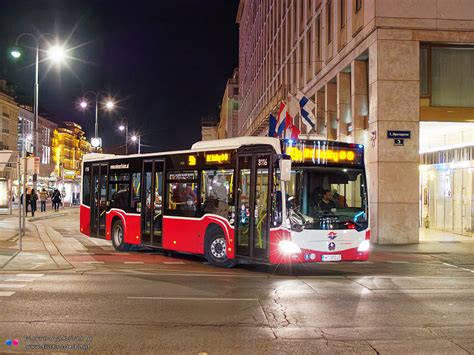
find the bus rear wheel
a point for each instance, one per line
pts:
(118, 237)
(216, 249)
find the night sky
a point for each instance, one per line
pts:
(167, 62)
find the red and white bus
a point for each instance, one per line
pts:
(224, 200)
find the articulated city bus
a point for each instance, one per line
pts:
(237, 200)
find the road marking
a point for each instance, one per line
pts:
(19, 280)
(12, 285)
(173, 262)
(192, 298)
(6, 294)
(29, 275)
(133, 262)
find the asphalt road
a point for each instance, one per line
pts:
(141, 302)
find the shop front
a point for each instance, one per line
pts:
(447, 184)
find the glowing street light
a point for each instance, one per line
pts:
(109, 105)
(56, 53)
(15, 53)
(124, 127)
(136, 139)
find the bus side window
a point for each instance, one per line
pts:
(217, 192)
(135, 195)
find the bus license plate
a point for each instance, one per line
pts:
(335, 257)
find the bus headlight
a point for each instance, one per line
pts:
(287, 247)
(364, 246)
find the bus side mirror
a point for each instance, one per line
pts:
(285, 168)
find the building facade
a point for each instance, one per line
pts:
(8, 131)
(371, 66)
(69, 145)
(228, 120)
(45, 137)
(209, 129)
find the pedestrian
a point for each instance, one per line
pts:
(33, 199)
(27, 202)
(43, 198)
(56, 199)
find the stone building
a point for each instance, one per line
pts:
(69, 145)
(228, 120)
(371, 66)
(8, 129)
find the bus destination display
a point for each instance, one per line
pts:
(314, 152)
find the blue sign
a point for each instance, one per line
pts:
(399, 134)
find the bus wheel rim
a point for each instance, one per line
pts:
(218, 248)
(118, 235)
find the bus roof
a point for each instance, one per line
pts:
(234, 143)
(229, 143)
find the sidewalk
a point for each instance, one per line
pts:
(39, 251)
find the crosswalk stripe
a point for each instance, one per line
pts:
(6, 294)
(20, 280)
(12, 285)
(29, 275)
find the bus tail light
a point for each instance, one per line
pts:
(287, 247)
(367, 234)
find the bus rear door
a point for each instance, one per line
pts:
(99, 200)
(152, 202)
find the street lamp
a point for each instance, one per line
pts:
(55, 53)
(136, 139)
(124, 127)
(109, 105)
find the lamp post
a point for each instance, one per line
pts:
(124, 127)
(56, 53)
(136, 138)
(109, 105)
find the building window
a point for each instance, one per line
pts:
(236, 91)
(452, 77)
(301, 7)
(318, 38)
(329, 20)
(294, 21)
(424, 71)
(46, 155)
(358, 5)
(342, 13)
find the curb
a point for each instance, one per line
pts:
(62, 214)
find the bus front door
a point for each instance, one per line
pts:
(99, 200)
(152, 202)
(253, 206)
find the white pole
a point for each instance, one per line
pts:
(35, 141)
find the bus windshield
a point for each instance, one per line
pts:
(329, 198)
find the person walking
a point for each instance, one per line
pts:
(43, 198)
(27, 201)
(33, 199)
(56, 199)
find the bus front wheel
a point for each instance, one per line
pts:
(118, 239)
(216, 248)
